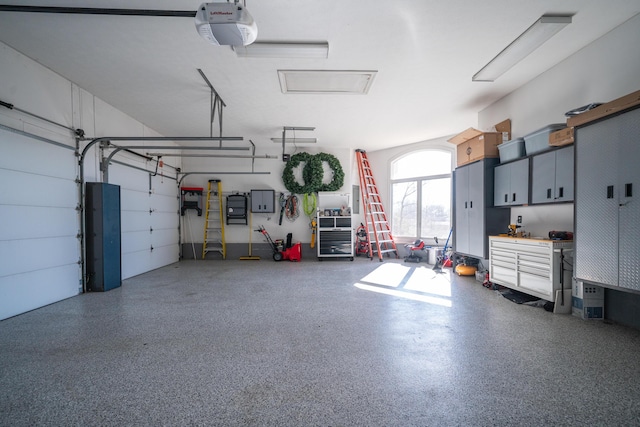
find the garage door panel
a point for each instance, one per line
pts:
(164, 237)
(129, 178)
(35, 289)
(30, 156)
(164, 256)
(134, 200)
(21, 256)
(42, 222)
(164, 220)
(20, 188)
(163, 203)
(164, 186)
(135, 242)
(136, 263)
(133, 221)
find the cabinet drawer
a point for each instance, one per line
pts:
(505, 276)
(541, 286)
(503, 263)
(544, 260)
(533, 270)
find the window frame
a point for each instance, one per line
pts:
(419, 182)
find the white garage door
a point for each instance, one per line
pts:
(149, 219)
(39, 223)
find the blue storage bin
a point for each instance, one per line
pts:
(511, 150)
(539, 140)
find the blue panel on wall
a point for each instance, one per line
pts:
(102, 230)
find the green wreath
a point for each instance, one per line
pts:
(338, 173)
(312, 173)
(312, 180)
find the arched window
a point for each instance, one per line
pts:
(421, 195)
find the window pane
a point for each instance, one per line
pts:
(421, 163)
(404, 200)
(436, 206)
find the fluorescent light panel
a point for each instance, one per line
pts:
(283, 50)
(326, 81)
(534, 37)
(295, 140)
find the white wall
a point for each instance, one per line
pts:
(39, 246)
(604, 70)
(244, 183)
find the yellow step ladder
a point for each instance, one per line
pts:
(213, 221)
(380, 239)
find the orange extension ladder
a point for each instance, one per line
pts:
(376, 221)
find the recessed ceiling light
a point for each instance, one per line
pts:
(538, 33)
(326, 81)
(283, 50)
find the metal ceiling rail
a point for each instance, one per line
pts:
(98, 11)
(185, 174)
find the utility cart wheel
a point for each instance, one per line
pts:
(277, 256)
(351, 258)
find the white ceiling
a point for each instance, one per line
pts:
(425, 52)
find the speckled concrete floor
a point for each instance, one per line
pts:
(333, 343)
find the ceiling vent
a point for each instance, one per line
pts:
(326, 81)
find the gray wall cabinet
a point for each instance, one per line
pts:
(607, 215)
(552, 176)
(474, 215)
(512, 183)
(263, 201)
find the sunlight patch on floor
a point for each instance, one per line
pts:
(415, 283)
(426, 280)
(387, 275)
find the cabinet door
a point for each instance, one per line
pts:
(502, 185)
(461, 228)
(543, 176)
(477, 231)
(263, 201)
(511, 184)
(629, 199)
(519, 182)
(564, 174)
(596, 203)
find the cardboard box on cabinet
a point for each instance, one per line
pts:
(473, 145)
(561, 137)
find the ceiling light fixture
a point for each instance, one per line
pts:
(268, 49)
(541, 31)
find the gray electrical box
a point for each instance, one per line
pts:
(263, 201)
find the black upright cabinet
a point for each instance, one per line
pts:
(102, 231)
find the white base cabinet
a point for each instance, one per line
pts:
(531, 266)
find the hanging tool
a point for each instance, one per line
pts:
(309, 205)
(283, 203)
